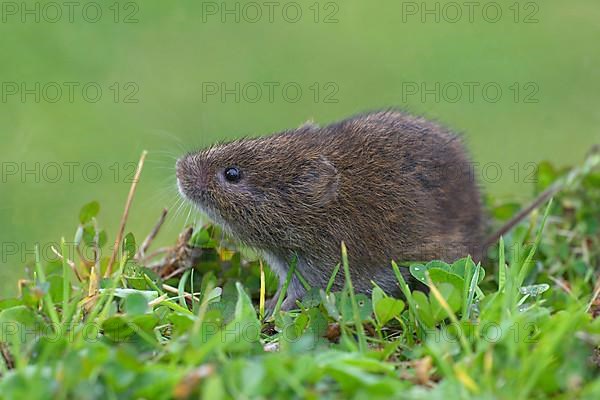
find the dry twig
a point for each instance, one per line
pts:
(136, 179)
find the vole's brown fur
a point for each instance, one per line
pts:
(391, 186)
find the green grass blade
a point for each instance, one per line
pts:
(48, 302)
(525, 267)
(412, 306)
(181, 288)
(332, 278)
(66, 273)
(362, 341)
(501, 265)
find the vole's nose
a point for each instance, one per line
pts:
(191, 180)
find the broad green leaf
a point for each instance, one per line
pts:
(388, 308)
(118, 328)
(22, 324)
(438, 264)
(200, 238)
(453, 296)
(136, 304)
(423, 308)
(441, 276)
(365, 308)
(377, 294)
(330, 303)
(88, 211)
(129, 246)
(418, 271)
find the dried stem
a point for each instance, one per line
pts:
(136, 179)
(150, 238)
(69, 262)
(174, 290)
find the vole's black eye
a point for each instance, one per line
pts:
(232, 174)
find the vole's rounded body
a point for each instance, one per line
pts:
(391, 186)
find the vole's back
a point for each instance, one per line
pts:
(389, 185)
(405, 193)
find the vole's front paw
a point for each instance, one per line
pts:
(295, 291)
(289, 303)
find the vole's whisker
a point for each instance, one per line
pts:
(169, 167)
(189, 206)
(177, 207)
(169, 154)
(173, 139)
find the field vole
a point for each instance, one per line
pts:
(390, 185)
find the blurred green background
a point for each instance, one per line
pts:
(158, 65)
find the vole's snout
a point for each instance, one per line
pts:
(181, 175)
(178, 169)
(191, 180)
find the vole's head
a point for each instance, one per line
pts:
(262, 190)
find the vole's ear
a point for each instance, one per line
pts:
(320, 182)
(309, 125)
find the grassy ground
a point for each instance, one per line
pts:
(189, 320)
